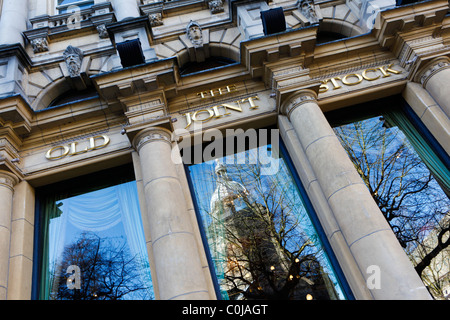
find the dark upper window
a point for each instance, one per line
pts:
(72, 96)
(208, 64)
(326, 36)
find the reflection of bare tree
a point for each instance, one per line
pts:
(258, 239)
(407, 194)
(108, 271)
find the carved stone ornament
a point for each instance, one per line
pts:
(194, 33)
(39, 45)
(307, 8)
(152, 135)
(216, 6)
(73, 57)
(8, 180)
(103, 33)
(155, 19)
(297, 100)
(433, 68)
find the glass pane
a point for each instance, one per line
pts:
(409, 196)
(95, 247)
(261, 239)
(68, 5)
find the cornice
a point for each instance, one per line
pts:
(409, 18)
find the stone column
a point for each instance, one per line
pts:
(13, 21)
(435, 78)
(429, 112)
(177, 263)
(377, 252)
(7, 183)
(22, 239)
(125, 9)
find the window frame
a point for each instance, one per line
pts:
(62, 8)
(333, 261)
(75, 186)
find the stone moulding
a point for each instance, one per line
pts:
(152, 135)
(431, 68)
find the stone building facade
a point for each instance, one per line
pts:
(95, 86)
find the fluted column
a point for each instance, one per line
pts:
(125, 9)
(177, 263)
(435, 78)
(367, 233)
(7, 183)
(13, 21)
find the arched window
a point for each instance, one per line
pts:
(208, 64)
(327, 36)
(72, 96)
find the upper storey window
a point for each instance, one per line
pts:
(65, 6)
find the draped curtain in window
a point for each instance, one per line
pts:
(96, 211)
(437, 167)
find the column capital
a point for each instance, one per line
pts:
(152, 135)
(8, 179)
(431, 68)
(297, 99)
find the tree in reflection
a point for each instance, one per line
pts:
(107, 270)
(410, 198)
(258, 238)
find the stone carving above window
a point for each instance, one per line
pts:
(194, 33)
(39, 45)
(155, 19)
(102, 31)
(308, 9)
(73, 57)
(216, 6)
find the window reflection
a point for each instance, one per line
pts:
(95, 247)
(262, 241)
(68, 6)
(409, 183)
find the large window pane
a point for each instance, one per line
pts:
(262, 242)
(410, 185)
(94, 247)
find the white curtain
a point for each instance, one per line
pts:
(101, 210)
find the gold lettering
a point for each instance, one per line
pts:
(92, 145)
(49, 153)
(216, 112)
(202, 94)
(346, 82)
(188, 119)
(252, 102)
(231, 88)
(230, 106)
(323, 87)
(385, 70)
(210, 115)
(73, 149)
(218, 91)
(366, 77)
(334, 82)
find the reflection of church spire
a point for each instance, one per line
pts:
(226, 193)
